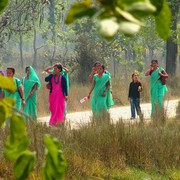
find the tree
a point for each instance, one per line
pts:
(171, 44)
(19, 18)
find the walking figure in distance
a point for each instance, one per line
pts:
(157, 88)
(57, 96)
(31, 84)
(102, 97)
(18, 95)
(135, 88)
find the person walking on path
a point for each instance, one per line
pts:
(18, 96)
(94, 71)
(65, 71)
(157, 88)
(31, 84)
(135, 88)
(57, 96)
(102, 97)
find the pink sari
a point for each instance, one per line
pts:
(56, 102)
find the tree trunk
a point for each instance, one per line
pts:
(171, 57)
(21, 50)
(171, 45)
(35, 51)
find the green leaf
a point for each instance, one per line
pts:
(158, 4)
(17, 141)
(3, 4)
(106, 2)
(2, 115)
(128, 3)
(7, 83)
(127, 16)
(24, 164)
(108, 27)
(55, 165)
(79, 10)
(141, 8)
(163, 21)
(6, 105)
(129, 28)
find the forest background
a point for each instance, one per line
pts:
(34, 33)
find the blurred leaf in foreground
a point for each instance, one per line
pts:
(164, 16)
(3, 4)
(6, 105)
(2, 115)
(7, 83)
(122, 15)
(17, 141)
(24, 165)
(79, 10)
(55, 165)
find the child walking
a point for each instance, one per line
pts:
(135, 88)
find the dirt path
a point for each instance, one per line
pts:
(78, 118)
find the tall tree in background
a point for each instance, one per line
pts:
(18, 19)
(171, 45)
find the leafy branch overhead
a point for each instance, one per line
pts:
(122, 16)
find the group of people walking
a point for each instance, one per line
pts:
(158, 89)
(25, 95)
(101, 91)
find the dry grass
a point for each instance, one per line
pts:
(96, 150)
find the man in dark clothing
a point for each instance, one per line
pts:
(135, 88)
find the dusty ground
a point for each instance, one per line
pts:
(78, 118)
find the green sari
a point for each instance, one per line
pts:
(31, 102)
(157, 91)
(99, 103)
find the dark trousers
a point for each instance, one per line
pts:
(135, 104)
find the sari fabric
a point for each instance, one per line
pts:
(99, 103)
(31, 102)
(16, 96)
(63, 72)
(56, 102)
(157, 91)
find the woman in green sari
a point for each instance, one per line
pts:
(157, 89)
(31, 84)
(102, 97)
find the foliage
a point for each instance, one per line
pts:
(55, 165)
(17, 142)
(124, 16)
(3, 4)
(7, 83)
(58, 38)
